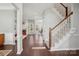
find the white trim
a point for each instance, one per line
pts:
(19, 52)
(9, 43)
(64, 49)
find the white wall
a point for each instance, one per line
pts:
(75, 16)
(74, 39)
(7, 19)
(7, 25)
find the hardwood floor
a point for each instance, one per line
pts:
(28, 51)
(30, 42)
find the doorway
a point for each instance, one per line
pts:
(35, 33)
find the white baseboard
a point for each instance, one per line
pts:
(9, 43)
(19, 52)
(64, 49)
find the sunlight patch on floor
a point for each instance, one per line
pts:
(38, 48)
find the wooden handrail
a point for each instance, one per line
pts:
(63, 5)
(66, 9)
(62, 21)
(66, 14)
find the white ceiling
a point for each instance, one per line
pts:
(35, 9)
(6, 6)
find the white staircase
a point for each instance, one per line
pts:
(62, 32)
(64, 43)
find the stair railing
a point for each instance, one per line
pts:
(66, 27)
